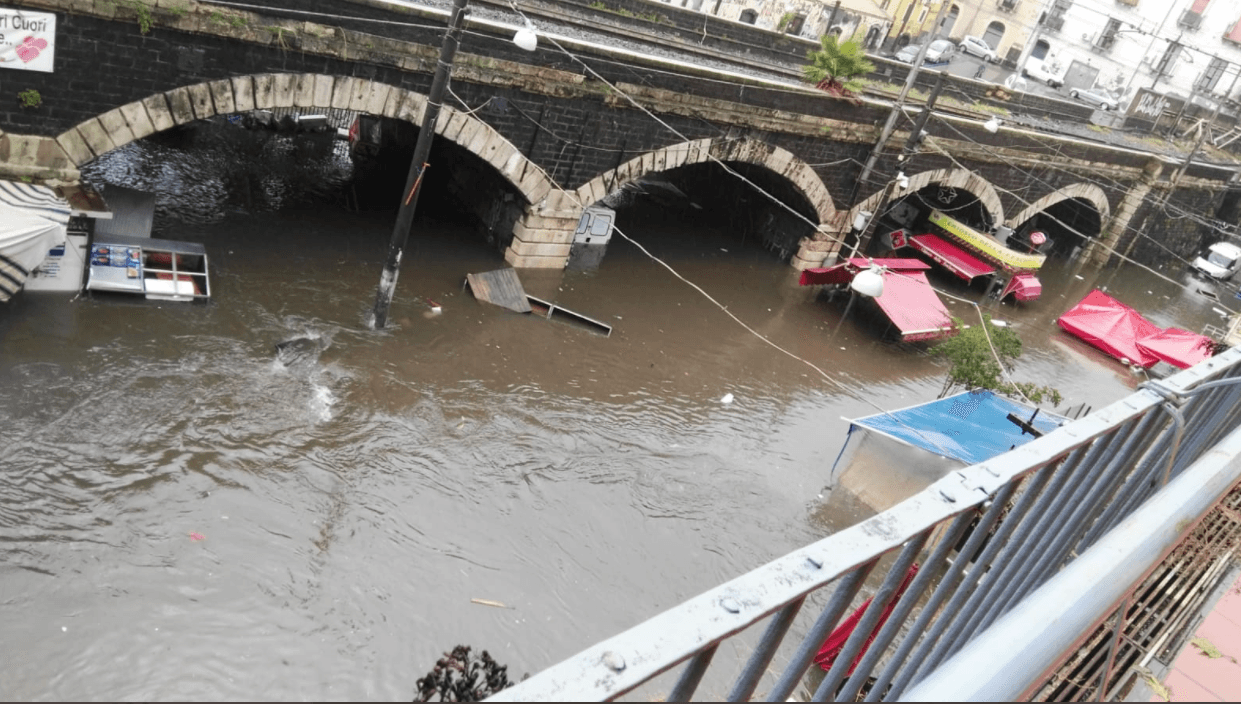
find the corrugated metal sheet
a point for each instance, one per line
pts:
(133, 212)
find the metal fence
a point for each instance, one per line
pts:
(988, 538)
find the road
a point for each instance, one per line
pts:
(966, 66)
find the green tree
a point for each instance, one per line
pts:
(834, 67)
(975, 366)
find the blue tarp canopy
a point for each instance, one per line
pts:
(971, 426)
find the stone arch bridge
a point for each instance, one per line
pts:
(122, 75)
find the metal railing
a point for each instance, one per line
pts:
(987, 537)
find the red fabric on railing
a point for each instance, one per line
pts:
(836, 641)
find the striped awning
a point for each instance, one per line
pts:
(33, 220)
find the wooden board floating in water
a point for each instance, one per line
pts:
(500, 287)
(551, 311)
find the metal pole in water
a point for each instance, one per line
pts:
(418, 166)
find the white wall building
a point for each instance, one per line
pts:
(1177, 47)
(1003, 24)
(854, 19)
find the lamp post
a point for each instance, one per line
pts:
(418, 166)
(886, 132)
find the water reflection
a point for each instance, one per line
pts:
(350, 508)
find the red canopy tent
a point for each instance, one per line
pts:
(955, 258)
(1180, 348)
(1123, 333)
(913, 306)
(907, 300)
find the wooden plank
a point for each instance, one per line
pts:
(500, 287)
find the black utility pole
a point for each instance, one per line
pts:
(911, 145)
(418, 166)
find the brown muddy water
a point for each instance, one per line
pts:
(351, 506)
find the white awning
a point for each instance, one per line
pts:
(33, 220)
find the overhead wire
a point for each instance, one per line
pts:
(1111, 250)
(779, 203)
(632, 101)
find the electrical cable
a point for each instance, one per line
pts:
(780, 203)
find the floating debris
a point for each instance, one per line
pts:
(500, 287)
(461, 677)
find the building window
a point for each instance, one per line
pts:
(1210, 77)
(1108, 36)
(1054, 19)
(923, 14)
(749, 16)
(796, 22)
(1007, 5)
(1191, 18)
(1234, 34)
(1168, 60)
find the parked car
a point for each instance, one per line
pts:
(908, 53)
(1041, 72)
(1221, 262)
(1095, 97)
(977, 47)
(940, 51)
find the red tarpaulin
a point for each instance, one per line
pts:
(908, 299)
(1115, 328)
(913, 306)
(956, 259)
(1024, 287)
(835, 642)
(1180, 348)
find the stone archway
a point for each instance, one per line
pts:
(163, 111)
(953, 178)
(833, 233)
(1082, 191)
(747, 151)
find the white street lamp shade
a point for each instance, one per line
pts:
(902, 181)
(868, 282)
(860, 220)
(526, 39)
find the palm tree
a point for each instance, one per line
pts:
(834, 67)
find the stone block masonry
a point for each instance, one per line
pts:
(554, 135)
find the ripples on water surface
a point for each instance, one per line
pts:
(351, 506)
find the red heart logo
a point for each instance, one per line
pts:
(30, 48)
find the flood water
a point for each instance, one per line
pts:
(181, 516)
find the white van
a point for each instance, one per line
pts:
(1221, 262)
(1044, 72)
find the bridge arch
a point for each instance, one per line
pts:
(962, 179)
(1070, 217)
(1080, 191)
(162, 111)
(748, 151)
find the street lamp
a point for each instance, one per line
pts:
(527, 39)
(867, 282)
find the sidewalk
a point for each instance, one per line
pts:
(1208, 669)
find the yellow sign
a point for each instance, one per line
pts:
(985, 245)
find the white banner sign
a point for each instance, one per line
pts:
(27, 40)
